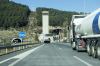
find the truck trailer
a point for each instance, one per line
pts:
(85, 33)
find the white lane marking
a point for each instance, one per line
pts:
(20, 56)
(23, 55)
(86, 63)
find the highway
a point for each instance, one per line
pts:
(58, 54)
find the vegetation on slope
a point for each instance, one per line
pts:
(57, 17)
(13, 14)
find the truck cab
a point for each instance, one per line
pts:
(46, 38)
(75, 26)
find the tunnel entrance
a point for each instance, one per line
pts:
(16, 40)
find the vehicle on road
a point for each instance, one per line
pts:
(85, 33)
(48, 38)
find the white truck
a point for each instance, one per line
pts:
(48, 38)
(85, 33)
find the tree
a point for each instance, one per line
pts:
(13, 14)
(57, 17)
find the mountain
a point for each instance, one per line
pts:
(57, 17)
(13, 14)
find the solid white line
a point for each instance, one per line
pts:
(20, 56)
(23, 55)
(86, 63)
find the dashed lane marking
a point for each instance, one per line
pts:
(86, 63)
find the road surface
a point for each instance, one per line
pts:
(58, 54)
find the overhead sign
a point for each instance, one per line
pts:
(22, 34)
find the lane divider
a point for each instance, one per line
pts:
(20, 56)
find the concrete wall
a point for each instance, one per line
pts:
(45, 22)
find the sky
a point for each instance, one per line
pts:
(66, 5)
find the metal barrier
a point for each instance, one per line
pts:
(13, 48)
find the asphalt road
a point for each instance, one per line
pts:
(59, 54)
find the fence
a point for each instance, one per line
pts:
(13, 48)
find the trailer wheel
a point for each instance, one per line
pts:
(92, 48)
(94, 51)
(89, 51)
(77, 48)
(98, 51)
(77, 45)
(73, 46)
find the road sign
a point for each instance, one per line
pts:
(22, 34)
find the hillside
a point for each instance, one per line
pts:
(14, 18)
(13, 14)
(57, 17)
(17, 17)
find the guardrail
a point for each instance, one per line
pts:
(13, 48)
